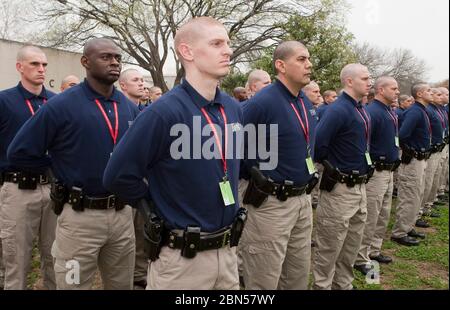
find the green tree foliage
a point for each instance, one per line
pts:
(233, 80)
(328, 41)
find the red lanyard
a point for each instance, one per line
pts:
(115, 133)
(30, 107)
(429, 123)
(366, 124)
(394, 119)
(304, 128)
(216, 135)
(441, 117)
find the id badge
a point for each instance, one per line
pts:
(397, 141)
(227, 193)
(310, 165)
(368, 159)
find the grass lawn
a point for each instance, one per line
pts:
(414, 268)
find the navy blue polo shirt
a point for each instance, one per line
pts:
(415, 128)
(73, 130)
(321, 110)
(437, 124)
(184, 187)
(14, 112)
(384, 131)
(272, 105)
(445, 115)
(400, 111)
(341, 136)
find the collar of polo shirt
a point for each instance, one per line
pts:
(198, 99)
(27, 95)
(92, 94)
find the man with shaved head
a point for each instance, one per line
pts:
(69, 81)
(240, 94)
(443, 182)
(438, 127)
(312, 91)
(154, 93)
(74, 135)
(24, 196)
(276, 242)
(131, 83)
(257, 80)
(415, 141)
(329, 96)
(195, 201)
(384, 151)
(343, 147)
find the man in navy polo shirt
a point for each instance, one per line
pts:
(443, 182)
(80, 128)
(276, 242)
(343, 147)
(24, 197)
(165, 157)
(415, 140)
(384, 147)
(437, 120)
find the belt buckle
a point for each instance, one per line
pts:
(226, 237)
(43, 179)
(111, 202)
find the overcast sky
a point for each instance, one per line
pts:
(418, 25)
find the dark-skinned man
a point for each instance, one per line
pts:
(415, 140)
(384, 147)
(25, 210)
(79, 129)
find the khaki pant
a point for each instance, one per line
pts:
(92, 239)
(431, 182)
(276, 244)
(208, 270)
(410, 195)
(340, 225)
(141, 262)
(2, 268)
(443, 181)
(25, 215)
(379, 202)
(241, 190)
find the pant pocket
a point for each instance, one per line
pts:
(8, 237)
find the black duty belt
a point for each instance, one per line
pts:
(384, 166)
(77, 200)
(352, 179)
(16, 177)
(437, 148)
(212, 241)
(283, 191)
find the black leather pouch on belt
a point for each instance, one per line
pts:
(328, 177)
(254, 194)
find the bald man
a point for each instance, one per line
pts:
(131, 83)
(79, 130)
(276, 242)
(384, 151)
(415, 140)
(257, 80)
(25, 211)
(329, 96)
(443, 182)
(194, 200)
(438, 127)
(240, 94)
(69, 81)
(312, 91)
(342, 146)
